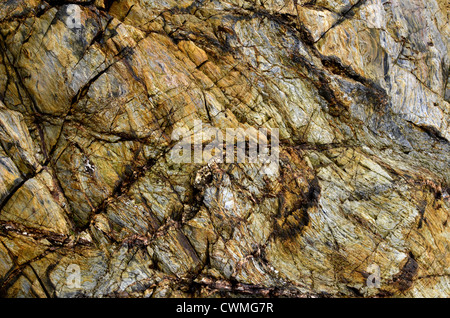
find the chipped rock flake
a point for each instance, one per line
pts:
(91, 94)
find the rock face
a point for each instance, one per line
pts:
(92, 204)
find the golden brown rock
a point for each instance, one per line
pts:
(93, 204)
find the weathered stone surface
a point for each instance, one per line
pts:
(91, 92)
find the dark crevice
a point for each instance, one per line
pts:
(405, 278)
(348, 14)
(16, 272)
(322, 83)
(432, 132)
(82, 92)
(421, 208)
(5, 199)
(334, 64)
(232, 287)
(130, 176)
(108, 4)
(55, 239)
(41, 283)
(355, 291)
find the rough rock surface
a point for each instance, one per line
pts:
(358, 89)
